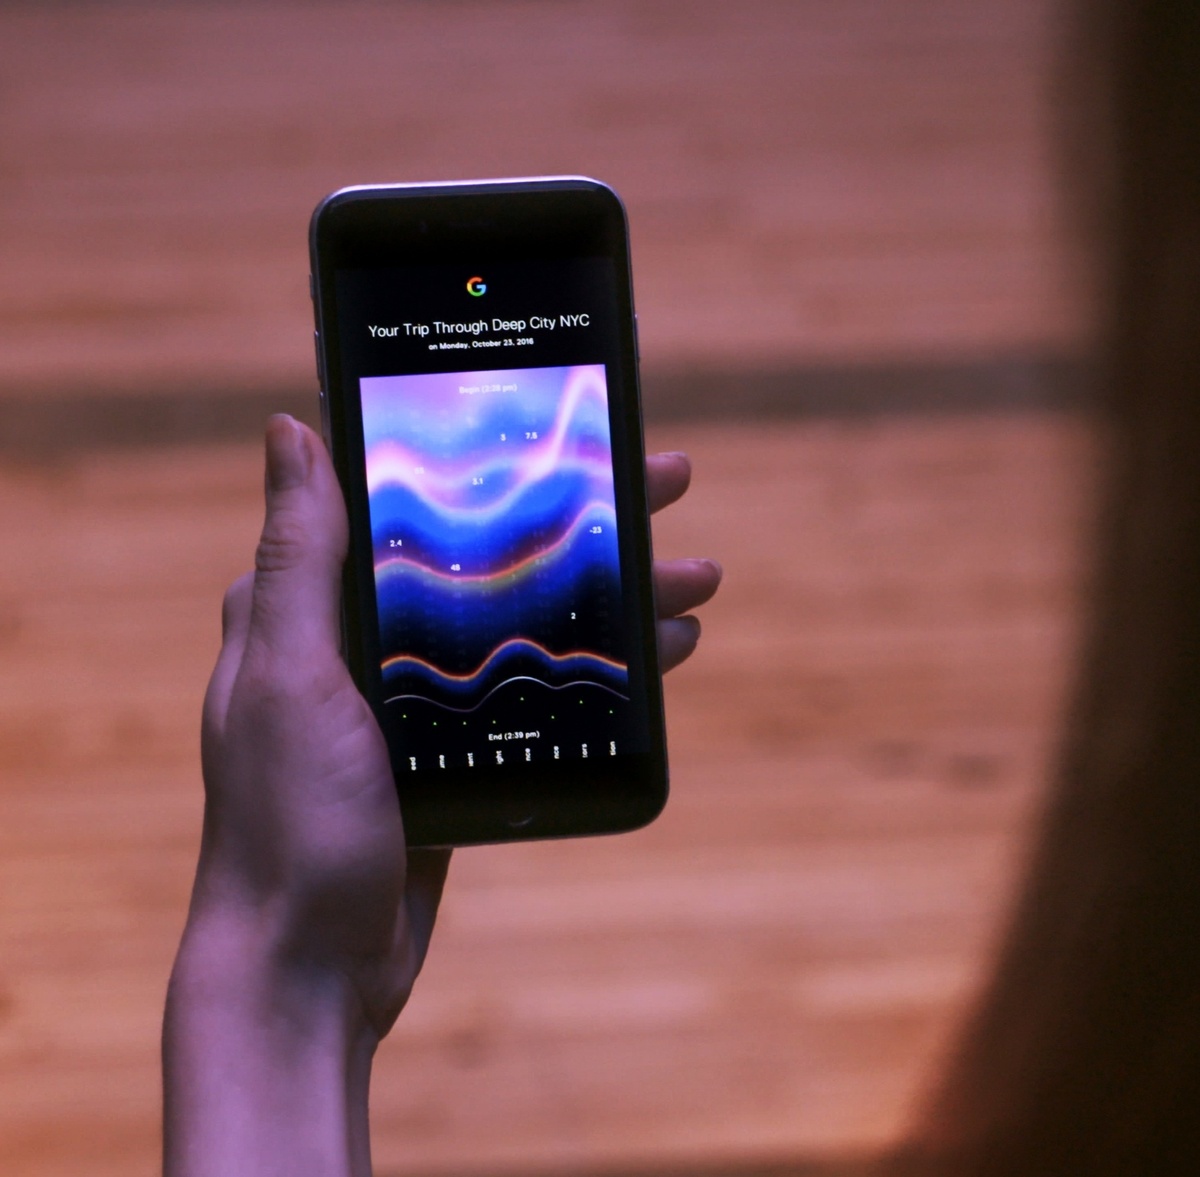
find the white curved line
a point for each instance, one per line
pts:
(579, 682)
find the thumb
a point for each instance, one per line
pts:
(297, 578)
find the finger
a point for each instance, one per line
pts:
(680, 585)
(297, 581)
(235, 613)
(667, 477)
(677, 638)
(235, 623)
(423, 885)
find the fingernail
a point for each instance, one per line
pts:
(714, 565)
(288, 460)
(693, 623)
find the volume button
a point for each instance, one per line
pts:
(322, 396)
(324, 402)
(320, 359)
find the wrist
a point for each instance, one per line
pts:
(266, 1058)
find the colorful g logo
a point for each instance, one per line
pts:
(476, 286)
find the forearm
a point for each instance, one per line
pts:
(266, 1065)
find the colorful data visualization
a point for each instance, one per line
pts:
(494, 533)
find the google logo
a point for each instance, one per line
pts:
(476, 286)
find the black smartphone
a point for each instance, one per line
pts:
(477, 353)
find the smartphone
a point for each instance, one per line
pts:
(477, 354)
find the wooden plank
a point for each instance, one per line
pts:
(763, 976)
(45, 425)
(806, 182)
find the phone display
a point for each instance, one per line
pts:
(497, 573)
(477, 351)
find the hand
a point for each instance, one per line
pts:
(309, 920)
(679, 585)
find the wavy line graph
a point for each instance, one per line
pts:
(451, 448)
(595, 669)
(494, 522)
(579, 682)
(543, 559)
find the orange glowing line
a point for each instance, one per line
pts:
(513, 571)
(529, 643)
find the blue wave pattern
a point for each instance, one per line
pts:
(494, 531)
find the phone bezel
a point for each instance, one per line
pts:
(549, 218)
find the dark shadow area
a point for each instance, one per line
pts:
(824, 1168)
(41, 426)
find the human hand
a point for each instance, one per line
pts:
(679, 585)
(309, 921)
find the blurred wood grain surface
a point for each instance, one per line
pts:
(762, 981)
(807, 182)
(765, 975)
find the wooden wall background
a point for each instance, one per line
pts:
(766, 976)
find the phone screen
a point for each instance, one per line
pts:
(502, 593)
